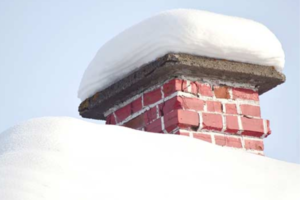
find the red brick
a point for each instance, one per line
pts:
(188, 119)
(172, 86)
(171, 121)
(152, 97)
(191, 103)
(151, 115)
(239, 93)
(123, 113)
(170, 105)
(212, 121)
(136, 105)
(214, 106)
(222, 92)
(232, 125)
(154, 127)
(252, 127)
(231, 108)
(201, 136)
(254, 145)
(194, 87)
(128, 110)
(184, 133)
(182, 119)
(136, 123)
(228, 141)
(203, 89)
(180, 102)
(184, 86)
(250, 110)
(110, 119)
(268, 128)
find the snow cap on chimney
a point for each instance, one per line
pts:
(209, 89)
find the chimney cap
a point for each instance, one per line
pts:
(174, 65)
(187, 31)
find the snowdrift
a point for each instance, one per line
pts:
(65, 158)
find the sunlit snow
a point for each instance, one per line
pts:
(181, 31)
(65, 158)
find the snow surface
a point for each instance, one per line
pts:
(65, 158)
(181, 31)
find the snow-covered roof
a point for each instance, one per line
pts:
(181, 31)
(65, 158)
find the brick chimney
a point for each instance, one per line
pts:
(208, 99)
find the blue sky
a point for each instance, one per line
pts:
(45, 47)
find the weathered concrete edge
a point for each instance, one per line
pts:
(173, 65)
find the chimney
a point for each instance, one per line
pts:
(204, 98)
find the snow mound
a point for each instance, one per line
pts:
(181, 31)
(65, 158)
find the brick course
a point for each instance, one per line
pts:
(254, 145)
(123, 113)
(172, 86)
(239, 93)
(252, 127)
(220, 115)
(249, 110)
(214, 106)
(228, 141)
(152, 97)
(212, 121)
(221, 92)
(154, 127)
(230, 108)
(204, 137)
(232, 125)
(203, 89)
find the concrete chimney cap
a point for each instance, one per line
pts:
(191, 67)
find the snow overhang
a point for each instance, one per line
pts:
(172, 65)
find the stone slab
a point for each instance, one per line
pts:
(173, 65)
